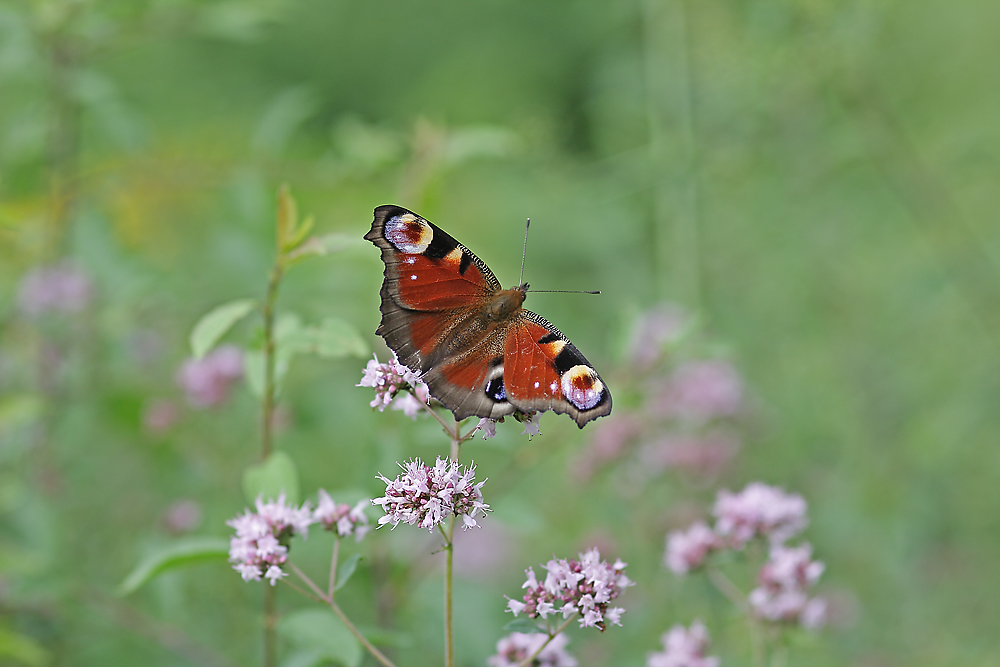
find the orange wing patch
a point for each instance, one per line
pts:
(529, 369)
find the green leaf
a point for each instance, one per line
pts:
(21, 649)
(319, 630)
(301, 231)
(339, 241)
(337, 338)
(346, 570)
(272, 477)
(522, 625)
(216, 322)
(253, 371)
(179, 554)
(306, 658)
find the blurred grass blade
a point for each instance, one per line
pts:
(346, 570)
(179, 554)
(319, 630)
(21, 649)
(272, 477)
(215, 323)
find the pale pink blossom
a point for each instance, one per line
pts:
(516, 647)
(531, 426)
(342, 519)
(657, 328)
(586, 587)
(182, 516)
(394, 381)
(207, 381)
(259, 548)
(488, 427)
(688, 549)
(684, 647)
(759, 510)
(159, 416)
(427, 496)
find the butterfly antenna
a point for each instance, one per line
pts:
(524, 251)
(565, 291)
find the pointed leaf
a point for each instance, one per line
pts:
(288, 216)
(320, 630)
(272, 477)
(215, 323)
(300, 232)
(346, 570)
(522, 625)
(337, 338)
(179, 554)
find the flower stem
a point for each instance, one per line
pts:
(333, 566)
(449, 648)
(552, 635)
(375, 653)
(267, 418)
(270, 626)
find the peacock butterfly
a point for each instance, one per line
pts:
(447, 317)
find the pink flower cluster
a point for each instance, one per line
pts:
(488, 427)
(260, 546)
(395, 384)
(701, 390)
(516, 647)
(683, 647)
(584, 586)
(343, 518)
(759, 511)
(427, 496)
(62, 288)
(781, 588)
(207, 381)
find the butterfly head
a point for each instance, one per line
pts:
(505, 303)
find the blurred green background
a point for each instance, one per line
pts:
(816, 181)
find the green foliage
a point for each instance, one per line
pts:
(346, 570)
(214, 324)
(272, 477)
(173, 556)
(320, 635)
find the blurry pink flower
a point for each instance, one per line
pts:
(701, 390)
(483, 553)
(759, 510)
(62, 288)
(782, 584)
(207, 381)
(584, 587)
(515, 648)
(683, 647)
(488, 427)
(412, 402)
(182, 516)
(705, 454)
(159, 416)
(657, 327)
(531, 426)
(343, 518)
(688, 549)
(610, 441)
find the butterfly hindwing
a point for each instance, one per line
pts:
(546, 372)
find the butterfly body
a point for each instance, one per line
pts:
(447, 317)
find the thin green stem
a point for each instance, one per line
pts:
(267, 418)
(552, 635)
(449, 648)
(375, 653)
(270, 626)
(333, 566)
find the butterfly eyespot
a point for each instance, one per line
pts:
(409, 233)
(495, 389)
(582, 387)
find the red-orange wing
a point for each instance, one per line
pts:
(544, 371)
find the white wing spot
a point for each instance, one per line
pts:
(536, 385)
(411, 260)
(413, 277)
